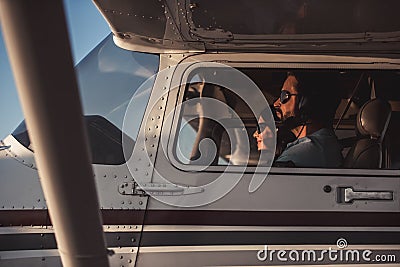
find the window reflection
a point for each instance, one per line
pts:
(108, 78)
(367, 143)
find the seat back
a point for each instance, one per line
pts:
(372, 122)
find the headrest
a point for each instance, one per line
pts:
(373, 118)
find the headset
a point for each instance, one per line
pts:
(306, 107)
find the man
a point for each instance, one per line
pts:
(306, 107)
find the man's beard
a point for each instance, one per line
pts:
(289, 120)
(283, 117)
(289, 116)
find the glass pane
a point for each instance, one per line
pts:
(216, 124)
(297, 16)
(109, 77)
(316, 121)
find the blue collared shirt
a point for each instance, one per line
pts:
(320, 149)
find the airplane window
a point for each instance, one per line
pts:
(204, 140)
(297, 16)
(323, 119)
(109, 77)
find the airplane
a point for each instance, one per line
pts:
(171, 101)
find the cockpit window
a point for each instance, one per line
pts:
(323, 119)
(295, 17)
(215, 124)
(109, 77)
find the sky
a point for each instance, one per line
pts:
(86, 29)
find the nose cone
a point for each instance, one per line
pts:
(19, 179)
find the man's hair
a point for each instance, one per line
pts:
(321, 89)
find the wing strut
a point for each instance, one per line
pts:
(38, 46)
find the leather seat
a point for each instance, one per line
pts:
(372, 122)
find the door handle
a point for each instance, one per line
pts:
(157, 189)
(348, 195)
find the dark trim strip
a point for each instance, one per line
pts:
(24, 218)
(210, 238)
(272, 218)
(42, 218)
(123, 217)
(217, 217)
(35, 241)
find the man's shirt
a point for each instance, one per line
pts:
(320, 149)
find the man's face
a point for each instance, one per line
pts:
(289, 108)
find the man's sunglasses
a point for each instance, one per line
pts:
(285, 96)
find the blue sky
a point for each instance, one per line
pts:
(86, 27)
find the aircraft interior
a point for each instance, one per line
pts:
(354, 87)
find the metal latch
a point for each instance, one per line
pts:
(348, 195)
(157, 189)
